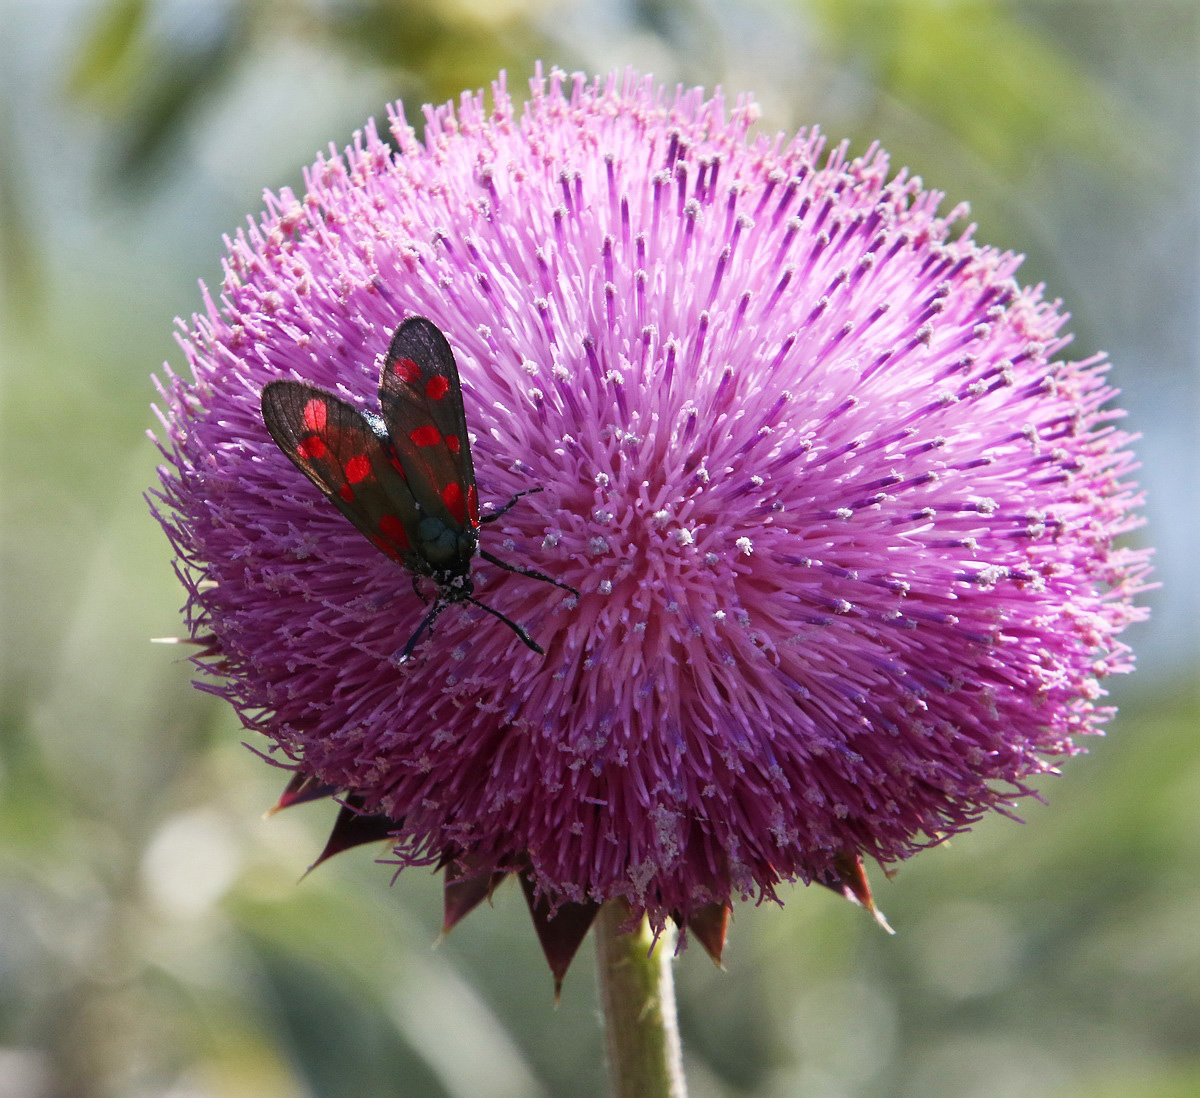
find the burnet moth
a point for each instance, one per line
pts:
(404, 477)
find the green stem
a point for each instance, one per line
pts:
(637, 995)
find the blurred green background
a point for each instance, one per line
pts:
(153, 938)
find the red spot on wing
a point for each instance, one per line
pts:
(385, 547)
(473, 505)
(393, 529)
(396, 465)
(452, 497)
(437, 387)
(428, 435)
(347, 493)
(358, 468)
(312, 447)
(316, 414)
(453, 443)
(406, 370)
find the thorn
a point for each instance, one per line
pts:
(560, 929)
(464, 890)
(709, 924)
(850, 880)
(353, 827)
(301, 789)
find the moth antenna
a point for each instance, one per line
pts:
(496, 514)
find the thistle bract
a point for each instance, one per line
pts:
(839, 504)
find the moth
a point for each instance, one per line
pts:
(404, 475)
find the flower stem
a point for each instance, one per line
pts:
(637, 995)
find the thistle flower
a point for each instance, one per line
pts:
(840, 510)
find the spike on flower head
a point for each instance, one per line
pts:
(842, 511)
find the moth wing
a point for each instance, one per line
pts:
(338, 449)
(421, 397)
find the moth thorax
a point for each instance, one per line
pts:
(443, 546)
(454, 586)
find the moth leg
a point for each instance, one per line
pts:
(426, 623)
(532, 573)
(417, 588)
(519, 630)
(496, 514)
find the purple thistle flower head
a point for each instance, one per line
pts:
(840, 509)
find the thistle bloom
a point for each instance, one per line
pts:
(840, 510)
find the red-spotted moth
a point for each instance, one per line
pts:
(404, 478)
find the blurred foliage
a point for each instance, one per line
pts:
(150, 76)
(156, 941)
(978, 74)
(149, 84)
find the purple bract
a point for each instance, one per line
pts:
(840, 512)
